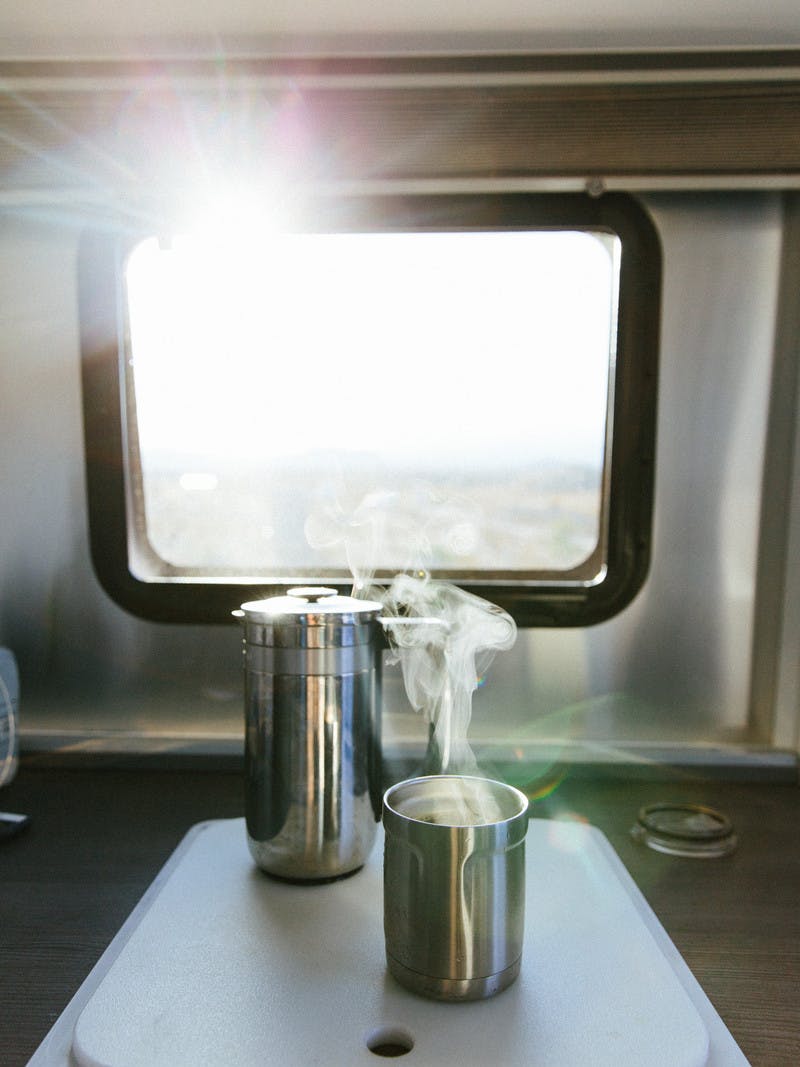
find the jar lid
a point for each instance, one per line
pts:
(685, 830)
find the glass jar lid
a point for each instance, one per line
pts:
(685, 830)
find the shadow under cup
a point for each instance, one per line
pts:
(454, 885)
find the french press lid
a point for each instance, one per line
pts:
(306, 602)
(310, 617)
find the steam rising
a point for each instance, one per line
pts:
(442, 665)
(407, 526)
(443, 637)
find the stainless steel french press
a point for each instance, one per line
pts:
(312, 732)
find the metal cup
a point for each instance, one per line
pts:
(454, 885)
(312, 732)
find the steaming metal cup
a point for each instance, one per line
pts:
(454, 885)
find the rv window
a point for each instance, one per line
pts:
(464, 385)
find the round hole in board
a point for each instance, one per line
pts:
(390, 1041)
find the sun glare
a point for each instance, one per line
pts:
(289, 342)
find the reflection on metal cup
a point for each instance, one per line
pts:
(454, 885)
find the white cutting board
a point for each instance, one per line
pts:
(226, 966)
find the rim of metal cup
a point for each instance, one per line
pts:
(430, 781)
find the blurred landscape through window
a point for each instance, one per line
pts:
(458, 381)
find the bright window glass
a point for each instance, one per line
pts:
(453, 384)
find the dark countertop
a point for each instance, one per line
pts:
(100, 834)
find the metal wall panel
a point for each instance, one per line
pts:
(108, 131)
(673, 667)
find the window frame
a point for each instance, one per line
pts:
(113, 475)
